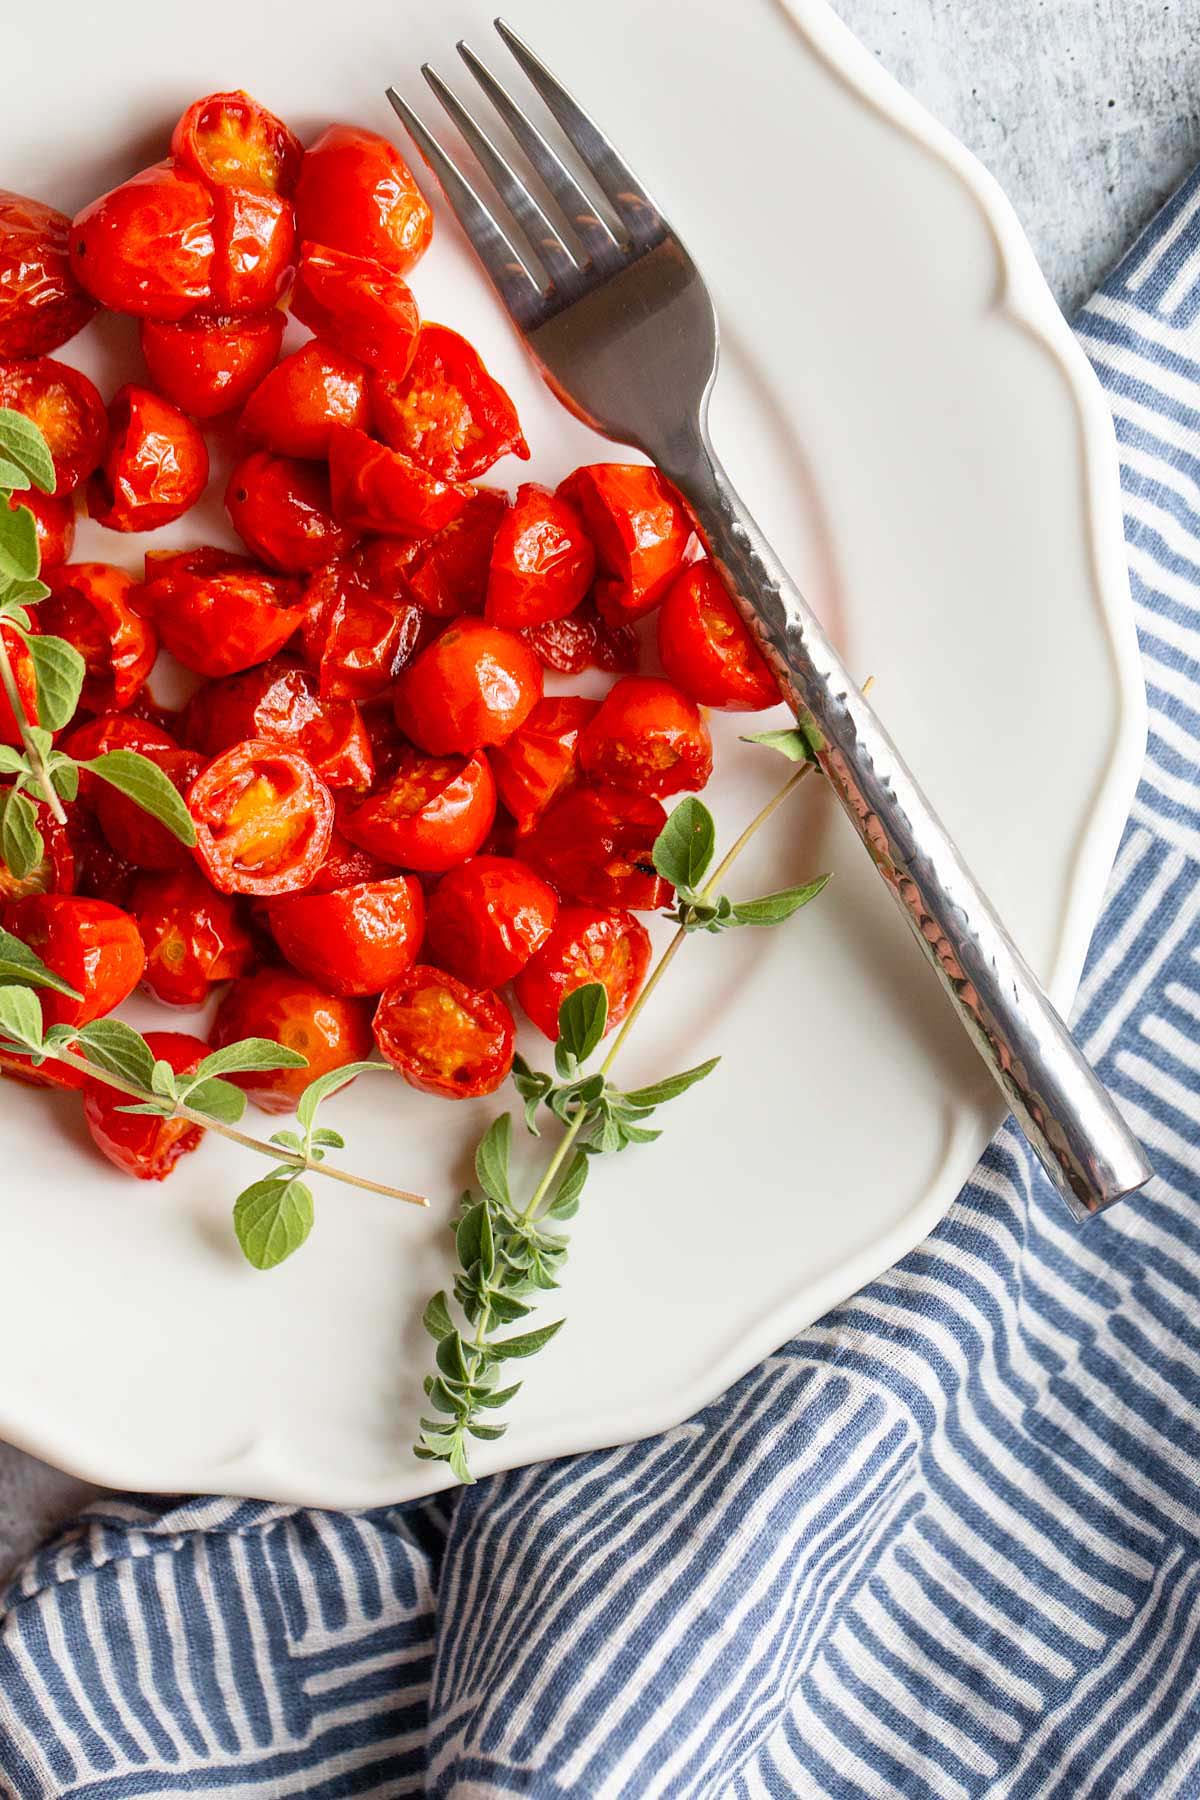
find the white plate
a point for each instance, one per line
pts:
(911, 420)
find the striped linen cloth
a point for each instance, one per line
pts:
(943, 1544)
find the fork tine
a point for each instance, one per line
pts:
(511, 276)
(612, 174)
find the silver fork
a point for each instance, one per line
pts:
(619, 319)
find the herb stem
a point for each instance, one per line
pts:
(36, 760)
(757, 822)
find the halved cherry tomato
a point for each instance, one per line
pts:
(280, 508)
(433, 813)
(54, 872)
(263, 820)
(346, 865)
(41, 303)
(357, 940)
(357, 193)
(707, 648)
(208, 364)
(448, 414)
(583, 640)
(377, 489)
(230, 140)
(596, 845)
(89, 606)
(93, 946)
(135, 836)
(146, 247)
(443, 1036)
(111, 731)
(204, 559)
(279, 701)
(587, 944)
(293, 409)
(26, 685)
(15, 1066)
(221, 623)
(540, 761)
(136, 1143)
(54, 522)
(155, 466)
(447, 573)
(638, 524)
(647, 735)
(358, 305)
(193, 937)
(357, 641)
(473, 686)
(487, 918)
(254, 249)
(542, 561)
(66, 408)
(329, 1029)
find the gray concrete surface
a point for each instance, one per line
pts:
(1088, 113)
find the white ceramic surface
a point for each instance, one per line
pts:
(910, 418)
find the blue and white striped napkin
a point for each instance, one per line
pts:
(943, 1544)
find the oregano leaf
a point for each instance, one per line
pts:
(118, 1048)
(658, 1092)
(773, 909)
(59, 670)
(21, 442)
(790, 742)
(492, 1158)
(566, 1197)
(21, 843)
(436, 1317)
(328, 1084)
(582, 1019)
(216, 1099)
(528, 1344)
(148, 787)
(13, 478)
(683, 849)
(21, 1016)
(249, 1054)
(19, 963)
(19, 554)
(272, 1218)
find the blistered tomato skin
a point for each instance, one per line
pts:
(540, 761)
(587, 944)
(26, 685)
(331, 1030)
(356, 193)
(146, 247)
(294, 408)
(263, 820)
(359, 306)
(706, 647)
(89, 606)
(192, 936)
(583, 640)
(445, 1037)
(357, 940)
(155, 466)
(222, 623)
(542, 561)
(92, 945)
(137, 1144)
(647, 735)
(137, 838)
(41, 303)
(445, 574)
(378, 489)
(637, 522)
(66, 408)
(54, 522)
(230, 140)
(448, 414)
(354, 640)
(432, 813)
(254, 249)
(487, 918)
(280, 508)
(280, 701)
(207, 366)
(596, 844)
(345, 866)
(472, 687)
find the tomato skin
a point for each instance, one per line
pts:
(279, 701)
(355, 640)
(203, 559)
(357, 193)
(92, 945)
(280, 508)
(66, 408)
(146, 247)
(377, 489)
(640, 529)
(155, 466)
(294, 407)
(445, 1037)
(448, 414)
(345, 866)
(434, 812)
(207, 365)
(587, 944)
(331, 1030)
(647, 735)
(596, 845)
(230, 140)
(542, 561)
(446, 574)
(583, 640)
(41, 302)
(222, 623)
(133, 834)
(359, 306)
(193, 937)
(254, 257)
(110, 731)
(540, 760)
(263, 820)
(26, 685)
(138, 1144)
(707, 648)
(54, 522)
(472, 687)
(89, 606)
(356, 940)
(55, 871)
(487, 918)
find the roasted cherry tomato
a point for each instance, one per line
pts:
(229, 140)
(89, 605)
(707, 648)
(357, 193)
(443, 1036)
(473, 686)
(222, 623)
(204, 559)
(208, 364)
(280, 508)
(146, 247)
(15, 1066)
(359, 306)
(542, 561)
(254, 249)
(638, 524)
(93, 946)
(446, 574)
(294, 408)
(357, 940)
(540, 761)
(137, 1143)
(587, 944)
(41, 303)
(447, 414)
(111, 731)
(66, 408)
(487, 918)
(329, 1029)
(54, 872)
(263, 819)
(100, 874)
(596, 844)
(345, 866)
(433, 813)
(155, 466)
(193, 937)
(647, 735)
(26, 685)
(377, 489)
(355, 640)
(583, 640)
(135, 836)
(54, 522)
(279, 701)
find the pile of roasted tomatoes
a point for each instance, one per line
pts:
(396, 826)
